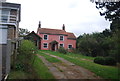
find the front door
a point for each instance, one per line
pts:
(53, 47)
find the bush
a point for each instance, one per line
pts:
(73, 50)
(19, 66)
(99, 60)
(105, 60)
(26, 51)
(110, 61)
(62, 50)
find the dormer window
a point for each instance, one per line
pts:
(62, 38)
(45, 37)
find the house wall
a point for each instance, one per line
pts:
(0, 62)
(3, 48)
(71, 42)
(9, 34)
(56, 38)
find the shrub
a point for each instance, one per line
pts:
(62, 50)
(26, 51)
(105, 60)
(99, 60)
(73, 50)
(110, 61)
(19, 66)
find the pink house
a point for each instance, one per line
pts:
(52, 39)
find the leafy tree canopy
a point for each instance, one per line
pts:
(23, 32)
(111, 10)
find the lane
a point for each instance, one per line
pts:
(72, 71)
(55, 71)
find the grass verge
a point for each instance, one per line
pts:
(18, 75)
(41, 69)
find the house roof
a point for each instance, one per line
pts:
(54, 42)
(51, 31)
(56, 32)
(33, 33)
(71, 35)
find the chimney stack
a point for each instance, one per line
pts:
(63, 27)
(39, 26)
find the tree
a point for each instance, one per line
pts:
(23, 32)
(115, 25)
(89, 45)
(111, 10)
(106, 32)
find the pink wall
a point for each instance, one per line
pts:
(56, 37)
(73, 42)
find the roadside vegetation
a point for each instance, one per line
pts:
(106, 72)
(21, 66)
(27, 65)
(41, 70)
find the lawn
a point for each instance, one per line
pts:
(106, 72)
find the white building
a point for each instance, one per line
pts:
(9, 23)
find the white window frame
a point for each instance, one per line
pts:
(60, 36)
(71, 45)
(61, 43)
(45, 43)
(47, 37)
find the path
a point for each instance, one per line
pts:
(67, 70)
(53, 69)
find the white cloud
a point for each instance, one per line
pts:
(78, 16)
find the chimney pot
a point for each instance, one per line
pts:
(39, 26)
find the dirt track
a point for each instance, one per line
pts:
(67, 70)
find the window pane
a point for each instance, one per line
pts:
(45, 45)
(45, 37)
(70, 46)
(61, 37)
(5, 12)
(4, 18)
(61, 45)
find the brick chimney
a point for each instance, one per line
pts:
(39, 26)
(63, 27)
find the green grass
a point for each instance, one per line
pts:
(41, 69)
(80, 56)
(18, 75)
(49, 58)
(106, 72)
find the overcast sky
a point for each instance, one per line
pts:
(79, 16)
